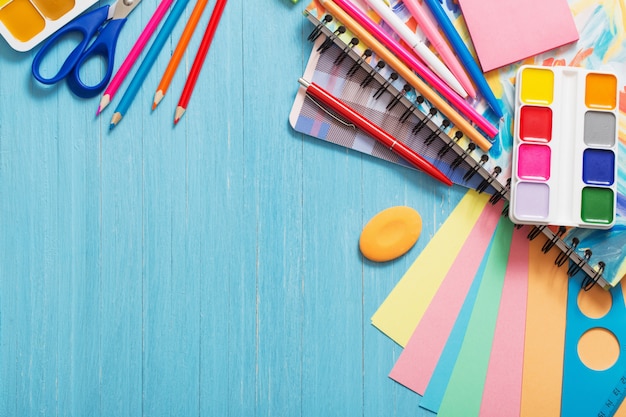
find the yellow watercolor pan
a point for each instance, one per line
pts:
(25, 23)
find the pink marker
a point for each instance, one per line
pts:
(421, 69)
(440, 45)
(134, 54)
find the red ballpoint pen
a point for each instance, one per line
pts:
(343, 110)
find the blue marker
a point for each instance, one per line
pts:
(146, 65)
(464, 55)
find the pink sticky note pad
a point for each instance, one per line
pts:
(507, 31)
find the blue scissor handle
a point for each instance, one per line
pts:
(104, 44)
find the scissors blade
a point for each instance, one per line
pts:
(122, 8)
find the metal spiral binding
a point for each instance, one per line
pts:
(423, 122)
(383, 87)
(589, 282)
(577, 266)
(461, 158)
(551, 242)
(445, 124)
(470, 174)
(488, 181)
(535, 231)
(499, 195)
(398, 96)
(379, 65)
(353, 42)
(359, 62)
(564, 256)
(331, 39)
(444, 150)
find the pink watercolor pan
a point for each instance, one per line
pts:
(564, 169)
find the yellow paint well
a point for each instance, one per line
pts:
(22, 19)
(54, 9)
(537, 86)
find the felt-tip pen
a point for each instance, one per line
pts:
(399, 148)
(464, 55)
(411, 39)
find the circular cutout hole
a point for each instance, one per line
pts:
(594, 303)
(598, 349)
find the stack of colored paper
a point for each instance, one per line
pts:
(492, 327)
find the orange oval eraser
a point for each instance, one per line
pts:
(390, 233)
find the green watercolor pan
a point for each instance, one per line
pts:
(25, 23)
(564, 169)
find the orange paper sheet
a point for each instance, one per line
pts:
(545, 334)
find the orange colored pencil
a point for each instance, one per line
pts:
(199, 60)
(185, 37)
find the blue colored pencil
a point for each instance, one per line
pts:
(464, 55)
(146, 65)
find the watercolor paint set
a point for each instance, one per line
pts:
(25, 23)
(564, 169)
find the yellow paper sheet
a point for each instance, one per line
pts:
(403, 309)
(545, 334)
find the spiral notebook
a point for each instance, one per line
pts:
(341, 63)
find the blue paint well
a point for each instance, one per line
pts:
(598, 167)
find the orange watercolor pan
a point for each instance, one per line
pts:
(25, 23)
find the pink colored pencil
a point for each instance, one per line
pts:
(134, 54)
(417, 66)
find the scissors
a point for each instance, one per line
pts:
(103, 25)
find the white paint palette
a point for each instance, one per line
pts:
(564, 169)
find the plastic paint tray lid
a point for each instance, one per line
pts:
(26, 23)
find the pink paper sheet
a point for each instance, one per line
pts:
(418, 360)
(503, 387)
(507, 31)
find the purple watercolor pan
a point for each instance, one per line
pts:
(565, 147)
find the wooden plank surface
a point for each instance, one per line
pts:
(210, 268)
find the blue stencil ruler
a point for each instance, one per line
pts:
(615, 398)
(589, 392)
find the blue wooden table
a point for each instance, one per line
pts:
(209, 268)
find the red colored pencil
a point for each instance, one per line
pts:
(199, 60)
(374, 131)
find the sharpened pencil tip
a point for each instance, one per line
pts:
(179, 113)
(115, 120)
(106, 99)
(158, 96)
